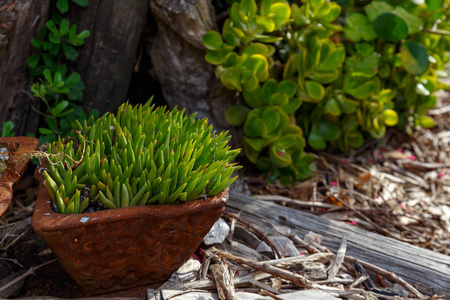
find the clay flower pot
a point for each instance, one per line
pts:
(16, 165)
(121, 248)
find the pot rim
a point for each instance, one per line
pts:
(45, 219)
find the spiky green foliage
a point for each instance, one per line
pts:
(142, 155)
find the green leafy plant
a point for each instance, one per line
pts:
(142, 155)
(7, 129)
(334, 75)
(59, 91)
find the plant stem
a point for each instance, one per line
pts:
(24, 275)
(436, 31)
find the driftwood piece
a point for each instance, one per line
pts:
(177, 53)
(106, 59)
(20, 22)
(412, 263)
(224, 278)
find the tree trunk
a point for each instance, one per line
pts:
(20, 21)
(106, 60)
(178, 58)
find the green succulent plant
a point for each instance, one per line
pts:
(142, 155)
(341, 71)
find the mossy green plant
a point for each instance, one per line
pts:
(142, 155)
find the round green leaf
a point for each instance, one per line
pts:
(293, 141)
(322, 9)
(414, 58)
(333, 60)
(250, 84)
(266, 23)
(251, 153)
(257, 63)
(298, 14)
(265, 7)
(214, 58)
(355, 140)
(287, 87)
(376, 129)
(231, 79)
(328, 130)
(333, 107)
(212, 40)
(280, 12)
(347, 106)
(254, 99)
(255, 143)
(315, 139)
(269, 88)
(271, 118)
(249, 8)
(236, 115)
(334, 12)
(292, 106)
(389, 117)
(279, 99)
(363, 91)
(315, 90)
(279, 157)
(255, 127)
(255, 48)
(426, 122)
(391, 27)
(229, 60)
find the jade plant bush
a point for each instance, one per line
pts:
(142, 155)
(333, 73)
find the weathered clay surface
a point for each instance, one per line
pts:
(10, 177)
(117, 249)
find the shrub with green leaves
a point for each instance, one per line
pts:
(333, 75)
(142, 155)
(7, 129)
(60, 91)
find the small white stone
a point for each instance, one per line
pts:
(47, 214)
(218, 233)
(84, 220)
(224, 199)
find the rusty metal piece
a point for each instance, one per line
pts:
(17, 164)
(121, 248)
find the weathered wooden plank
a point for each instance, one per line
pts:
(414, 264)
(178, 59)
(106, 59)
(20, 21)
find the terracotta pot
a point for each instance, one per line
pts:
(117, 249)
(10, 178)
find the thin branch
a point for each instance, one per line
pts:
(265, 267)
(436, 31)
(261, 235)
(24, 275)
(391, 275)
